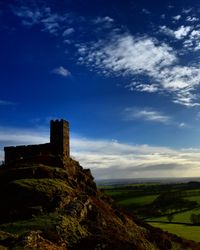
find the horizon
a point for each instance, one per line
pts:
(125, 76)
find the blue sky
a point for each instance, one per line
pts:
(125, 74)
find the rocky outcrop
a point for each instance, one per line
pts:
(54, 204)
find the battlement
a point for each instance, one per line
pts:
(59, 145)
(59, 136)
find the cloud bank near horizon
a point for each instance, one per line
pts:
(112, 159)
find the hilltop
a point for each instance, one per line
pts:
(58, 206)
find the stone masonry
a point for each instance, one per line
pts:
(59, 145)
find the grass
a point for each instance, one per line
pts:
(139, 201)
(53, 226)
(43, 185)
(138, 198)
(185, 231)
(194, 198)
(36, 223)
(128, 199)
(183, 217)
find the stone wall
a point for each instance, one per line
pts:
(17, 153)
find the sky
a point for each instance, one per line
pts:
(125, 74)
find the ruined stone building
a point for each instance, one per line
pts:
(58, 145)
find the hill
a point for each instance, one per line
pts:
(51, 203)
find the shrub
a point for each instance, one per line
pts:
(195, 219)
(170, 217)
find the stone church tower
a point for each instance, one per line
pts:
(59, 137)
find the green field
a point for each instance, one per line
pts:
(140, 199)
(194, 198)
(185, 231)
(182, 217)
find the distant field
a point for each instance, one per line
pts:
(185, 231)
(183, 217)
(138, 201)
(137, 197)
(194, 198)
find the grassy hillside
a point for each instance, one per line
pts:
(59, 207)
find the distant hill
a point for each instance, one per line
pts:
(50, 203)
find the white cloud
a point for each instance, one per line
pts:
(192, 19)
(151, 88)
(195, 34)
(182, 31)
(68, 31)
(51, 24)
(48, 21)
(145, 11)
(164, 29)
(163, 16)
(182, 125)
(61, 71)
(67, 41)
(193, 42)
(29, 16)
(181, 81)
(186, 11)
(180, 77)
(105, 19)
(127, 54)
(177, 17)
(122, 55)
(170, 6)
(146, 114)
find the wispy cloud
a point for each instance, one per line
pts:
(61, 71)
(180, 33)
(147, 114)
(52, 23)
(120, 53)
(177, 17)
(125, 54)
(105, 19)
(163, 16)
(145, 11)
(29, 17)
(7, 103)
(193, 41)
(192, 19)
(189, 35)
(167, 31)
(186, 11)
(143, 87)
(68, 32)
